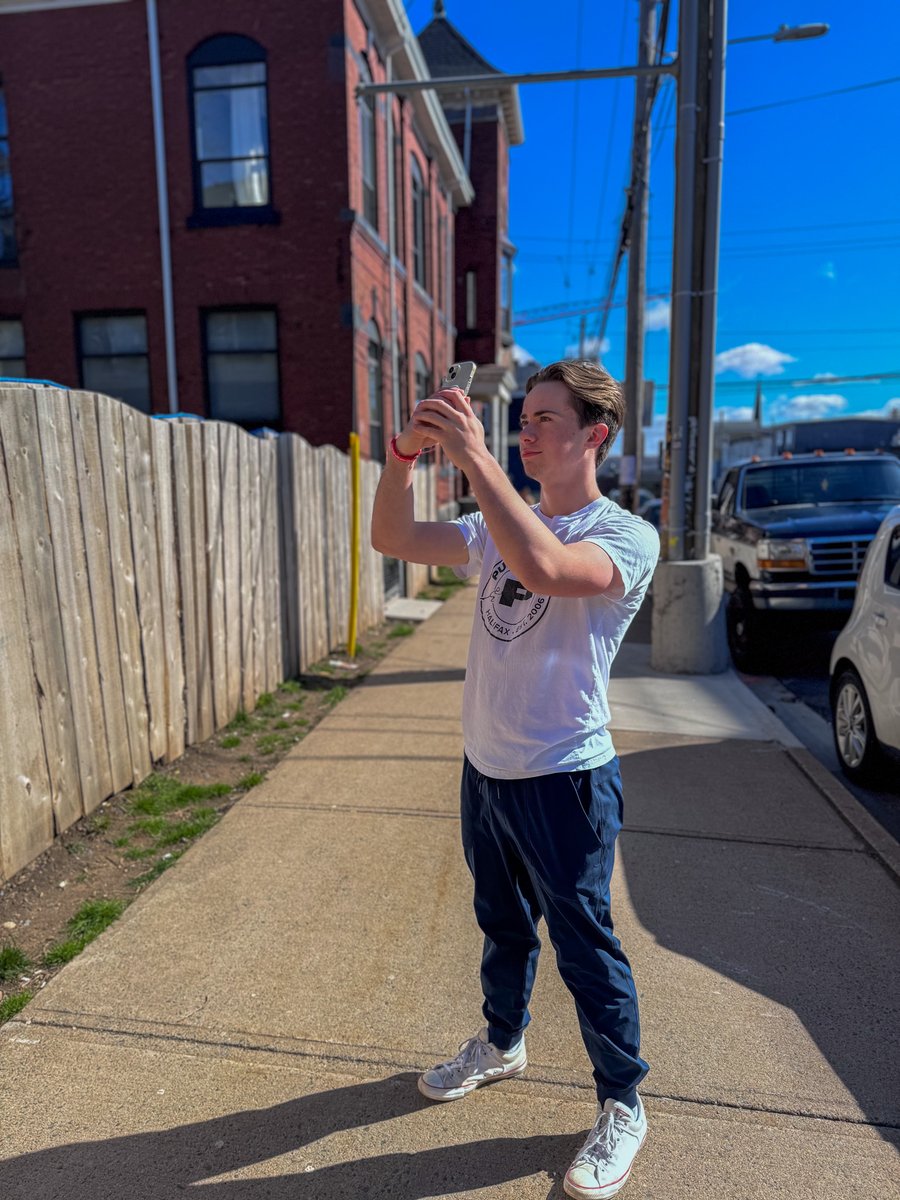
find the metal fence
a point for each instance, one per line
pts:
(155, 578)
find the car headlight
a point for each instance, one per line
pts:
(777, 554)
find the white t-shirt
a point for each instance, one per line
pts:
(535, 694)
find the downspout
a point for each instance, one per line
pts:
(162, 197)
(392, 251)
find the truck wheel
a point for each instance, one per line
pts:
(854, 734)
(743, 622)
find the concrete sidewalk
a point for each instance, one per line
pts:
(253, 1024)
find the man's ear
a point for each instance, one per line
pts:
(598, 435)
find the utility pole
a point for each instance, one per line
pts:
(639, 194)
(688, 634)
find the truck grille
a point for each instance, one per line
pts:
(838, 556)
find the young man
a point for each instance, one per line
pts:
(541, 794)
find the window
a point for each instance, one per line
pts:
(376, 395)
(506, 282)
(892, 563)
(231, 128)
(442, 248)
(7, 230)
(423, 378)
(113, 359)
(12, 349)
(397, 170)
(420, 226)
(471, 299)
(368, 143)
(242, 366)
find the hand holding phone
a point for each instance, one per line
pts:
(460, 375)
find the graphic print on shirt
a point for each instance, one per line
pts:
(508, 609)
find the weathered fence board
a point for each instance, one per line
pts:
(19, 433)
(231, 563)
(215, 561)
(142, 513)
(181, 492)
(26, 808)
(112, 452)
(58, 459)
(269, 530)
(92, 499)
(170, 588)
(249, 483)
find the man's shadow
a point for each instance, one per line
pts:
(167, 1163)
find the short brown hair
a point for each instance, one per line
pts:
(596, 396)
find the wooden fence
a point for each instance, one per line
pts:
(155, 578)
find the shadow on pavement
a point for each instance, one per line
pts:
(813, 929)
(164, 1164)
(390, 678)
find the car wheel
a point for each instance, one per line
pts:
(744, 624)
(854, 734)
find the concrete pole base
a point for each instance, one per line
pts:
(688, 630)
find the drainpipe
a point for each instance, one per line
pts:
(162, 196)
(392, 251)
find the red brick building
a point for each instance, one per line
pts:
(198, 214)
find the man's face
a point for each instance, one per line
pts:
(552, 439)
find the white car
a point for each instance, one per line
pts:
(865, 666)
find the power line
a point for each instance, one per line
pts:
(857, 87)
(538, 237)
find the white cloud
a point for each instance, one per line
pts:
(825, 375)
(827, 271)
(593, 348)
(742, 413)
(889, 411)
(752, 359)
(657, 315)
(807, 408)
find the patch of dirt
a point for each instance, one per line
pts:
(106, 856)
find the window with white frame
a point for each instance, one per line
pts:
(420, 224)
(423, 378)
(12, 348)
(229, 111)
(113, 357)
(242, 366)
(506, 291)
(368, 137)
(374, 361)
(471, 299)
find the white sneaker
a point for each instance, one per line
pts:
(603, 1164)
(479, 1061)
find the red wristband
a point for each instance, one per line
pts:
(404, 458)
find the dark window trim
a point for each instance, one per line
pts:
(370, 191)
(87, 314)
(225, 50)
(373, 338)
(419, 183)
(12, 259)
(208, 310)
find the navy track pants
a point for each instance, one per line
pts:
(545, 847)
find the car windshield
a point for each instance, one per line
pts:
(844, 482)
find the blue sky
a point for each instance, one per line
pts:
(809, 280)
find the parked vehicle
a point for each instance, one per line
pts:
(792, 533)
(865, 665)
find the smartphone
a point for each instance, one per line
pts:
(460, 375)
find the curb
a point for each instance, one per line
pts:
(879, 841)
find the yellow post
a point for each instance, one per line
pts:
(355, 547)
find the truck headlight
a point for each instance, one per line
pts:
(776, 554)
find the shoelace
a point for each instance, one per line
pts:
(470, 1053)
(601, 1142)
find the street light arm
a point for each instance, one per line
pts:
(786, 33)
